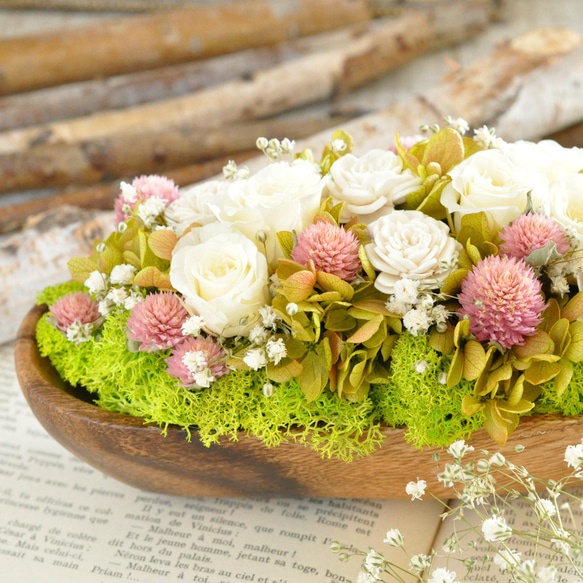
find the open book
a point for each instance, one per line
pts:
(61, 521)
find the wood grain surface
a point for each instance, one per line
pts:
(129, 451)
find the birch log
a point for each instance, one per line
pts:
(122, 91)
(485, 92)
(102, 196)
(144, 153)
(146, 42)
(310, 79)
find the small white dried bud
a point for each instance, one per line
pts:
(287, 146)
(421, 366)
(101, 248)
(268, 390)
(262, 144)
(261, 236)
(230, 170)
(291, 309)
(394, 538)
(338, 146)
(122, 227)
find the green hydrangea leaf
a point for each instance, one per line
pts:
(541, 372)
(573, 310)
(471, 405)
(313, 377)
(332, 283)
(453, 282)
(152, 277)
(562, 380)
(299, 286)
(540, 343)
(575, 351)
(474, 360)
(454, 374)
(162, 243)
(283, 372)
(81, 268)
(446, 147)
(442, 341)
(339, 321)
(366, 331)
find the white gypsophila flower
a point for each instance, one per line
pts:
(280, 197)
(288, 146)
(486, 138)
(203, 378)
(258, 335)
(122, 274)
(338, 146)
(442, 576)
(507, 559)
(497, 459)
(406, 290)
(421, 367)
(417, 322)
(483, 465)
(276, 350)
(132, 300)
(394, 538)
(397, 308)
(419, 563)
(129, 193)
(268, 317)
(460, 125)
(458, 449)
(440, 314)
(78, 333)
(495, 529)
(150, 209)
(574, 456)
(374, 560)
(490, 182)
(547, 574)
(544, 509)
(413, 245)
(561, 542)
(559, 285)
(97, 282)
(193, 326)
(525, 572)
(105, 307)
(425, 302)
(450, 545)
(416, 489)
(268, 390)
(451, 473)
(370, 185)
(117, 295)
(192, 206)
(222, 277)
(195, 361)
(366, 577)
(255, 358)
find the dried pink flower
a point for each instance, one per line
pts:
(407, 142)
(74, 307)
(502, 297)
(331, 248)
(147, 187)
(530, 232)
(197, 353)
(156, 322)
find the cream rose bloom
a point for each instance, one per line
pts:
(223, 278)
(487, 181)
(412, 245)
(280, 197)
(370, 186)
(192, 206)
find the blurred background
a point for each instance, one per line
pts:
(93, 92)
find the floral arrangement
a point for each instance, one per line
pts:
(498, 515)
(434, 284)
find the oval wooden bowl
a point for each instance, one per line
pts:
(137, 454)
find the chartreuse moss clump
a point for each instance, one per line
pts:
(416, 398)
(137, 384)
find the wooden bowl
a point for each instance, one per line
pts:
(137, 454)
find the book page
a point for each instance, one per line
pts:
(62, 521)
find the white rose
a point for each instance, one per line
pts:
(223, 278)
(280, 197)
(487, 181)
(370, 186)
(192, 206)
(566, 203)
(413, 245)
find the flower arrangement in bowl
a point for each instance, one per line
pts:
(432, 285)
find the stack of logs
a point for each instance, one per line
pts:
(181, 92)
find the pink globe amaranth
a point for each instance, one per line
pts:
(215, 356)
(502, 298)
(532, 231)
(157, 321)
(147, 187)
(331, 248)
(77, 306)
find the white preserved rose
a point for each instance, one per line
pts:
(410, 244)
(280, 197)
(192, 206)
(371, 185)
(223, 278)
(487, 181)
